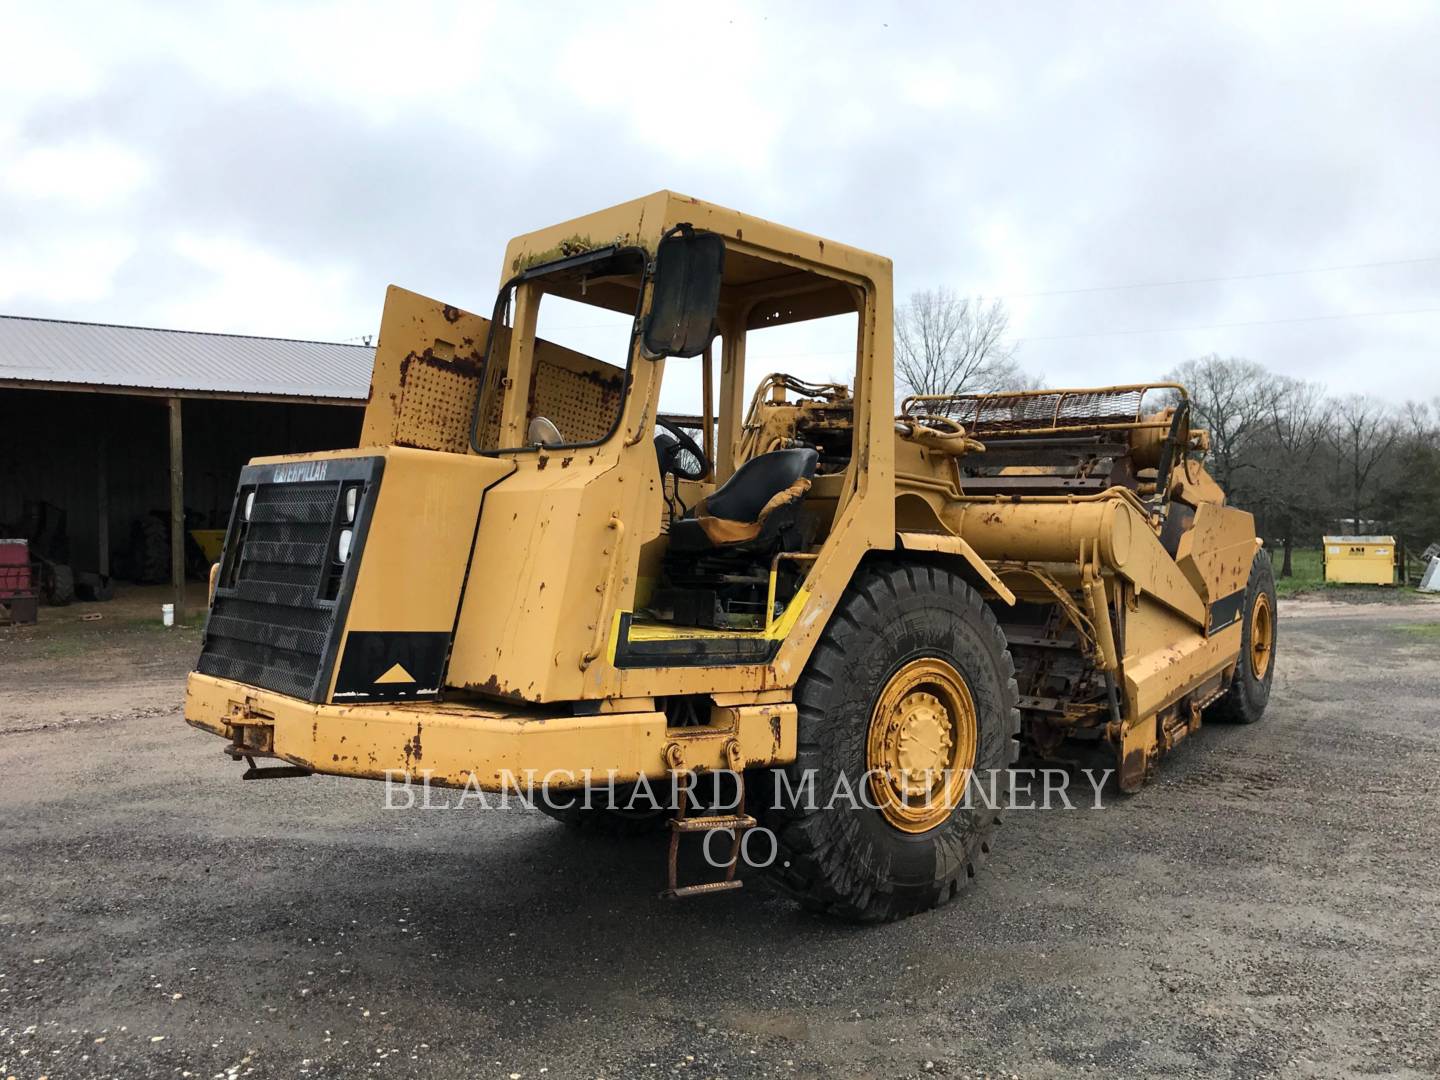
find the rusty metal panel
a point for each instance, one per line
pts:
(1216, 553)
(428, 369)
(427, 374)
(954, 545)
(485, 746)
(437, 403)
(580, 394)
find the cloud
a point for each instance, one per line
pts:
(272, 167)
(85, 175)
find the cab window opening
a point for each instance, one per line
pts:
(734, 548)
(559, 357)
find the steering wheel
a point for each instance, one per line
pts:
(679, 453)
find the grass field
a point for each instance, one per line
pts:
(1308, 573)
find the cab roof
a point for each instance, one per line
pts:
(763, 259)
(641, 222)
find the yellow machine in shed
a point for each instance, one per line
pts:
(526, 568)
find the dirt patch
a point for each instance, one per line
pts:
(1267, 906)
(89, 662)
(1361, 604)
(1361, 595)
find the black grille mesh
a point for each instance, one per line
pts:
(269, 628)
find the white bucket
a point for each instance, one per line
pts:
(167, 614)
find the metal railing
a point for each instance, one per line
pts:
(1038, 412)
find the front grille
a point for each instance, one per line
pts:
(281, 595)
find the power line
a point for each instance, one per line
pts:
(1229, 326)
(1213, 280)
(1026, 339)
(1155, 285)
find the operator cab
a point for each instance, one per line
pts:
(745, 496)
(749, 500)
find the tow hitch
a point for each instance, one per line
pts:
(265, 772)
(252, 736)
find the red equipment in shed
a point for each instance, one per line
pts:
(17, 592)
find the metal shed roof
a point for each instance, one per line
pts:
(99, 356)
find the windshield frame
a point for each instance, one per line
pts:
(491, 379)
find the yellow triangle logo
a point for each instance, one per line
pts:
(396, 674)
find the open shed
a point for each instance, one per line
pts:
(109, 429)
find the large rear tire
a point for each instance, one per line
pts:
(911, 677)
(1249, 693)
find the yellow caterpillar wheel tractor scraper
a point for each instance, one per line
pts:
(527, 570)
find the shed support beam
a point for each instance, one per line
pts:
(102, 504)
(177, 510)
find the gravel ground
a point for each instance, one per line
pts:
(1268, 906)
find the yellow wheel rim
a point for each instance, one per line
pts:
(1262, 636)
(921, 746)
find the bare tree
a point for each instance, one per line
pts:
(1413, 493)
(1234, 399)
(1419, 421)
(1288, 478)
(949, 344)
(1362, 432)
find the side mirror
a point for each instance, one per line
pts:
(688, 269)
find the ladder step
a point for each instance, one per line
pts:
(714, 821)
(699, 890)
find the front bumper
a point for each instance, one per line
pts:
(491, 748)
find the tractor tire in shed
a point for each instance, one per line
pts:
(62, 585)
(150, 541)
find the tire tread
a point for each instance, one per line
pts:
(811, 865)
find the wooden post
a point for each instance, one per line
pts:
(177, 510)
(102, 503)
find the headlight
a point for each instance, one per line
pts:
(352, 498)
(342, 545)
(249, 505)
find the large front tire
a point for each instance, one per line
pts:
(912, 671)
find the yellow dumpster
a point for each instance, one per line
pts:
(1360, 560)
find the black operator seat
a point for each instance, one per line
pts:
(753, 507)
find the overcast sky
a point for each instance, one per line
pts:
(269, 169)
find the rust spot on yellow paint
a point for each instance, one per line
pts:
(412, 747)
